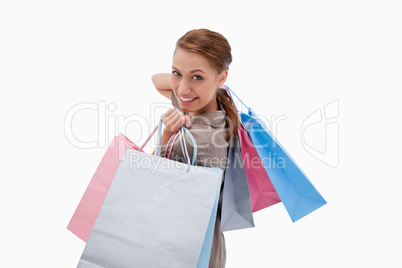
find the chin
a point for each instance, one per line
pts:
(185, 109)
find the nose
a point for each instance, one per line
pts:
(184, 87)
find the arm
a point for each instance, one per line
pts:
(161, 82)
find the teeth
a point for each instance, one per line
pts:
(185, 99)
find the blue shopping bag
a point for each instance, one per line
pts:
(297, 193)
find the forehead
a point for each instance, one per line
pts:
(187, 61)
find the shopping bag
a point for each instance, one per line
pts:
(262, 192)
(157, 213)
(87, 210)
(295, 190)
(236, 205)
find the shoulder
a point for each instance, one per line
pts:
(214, 119)
(210, 128)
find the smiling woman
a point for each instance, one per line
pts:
(195, 86)
(195, 83)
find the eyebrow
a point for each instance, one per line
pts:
(193, 71)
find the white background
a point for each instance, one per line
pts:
(289, 58)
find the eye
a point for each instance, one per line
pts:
(197, 77)
(176, 73)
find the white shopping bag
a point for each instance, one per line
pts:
(157, 213)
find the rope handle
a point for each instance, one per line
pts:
(173, 141)
(230, 91)
(149, 138)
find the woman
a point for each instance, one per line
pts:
(200, 68)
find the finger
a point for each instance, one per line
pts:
(167, 116)
(176, 113)
(175, 125)
(171, 113)
(171, 118)
(174, 117)
(175, 122)
(168, 112)
(179, 119)
(179, 123)
(188, 122)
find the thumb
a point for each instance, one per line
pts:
(188, 121)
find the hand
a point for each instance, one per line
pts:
(174, 120)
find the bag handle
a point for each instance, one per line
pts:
(230, 91)
(170, 143)
(149, 138)
(183, 143)
(184, 146)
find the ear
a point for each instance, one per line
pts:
(222, 77)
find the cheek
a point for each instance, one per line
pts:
(207, 93)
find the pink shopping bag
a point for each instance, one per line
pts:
(87, 211)
(262, 192)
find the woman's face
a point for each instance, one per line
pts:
(195, 82)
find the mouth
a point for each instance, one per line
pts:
(187, 100)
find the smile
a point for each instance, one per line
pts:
(187, 99)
